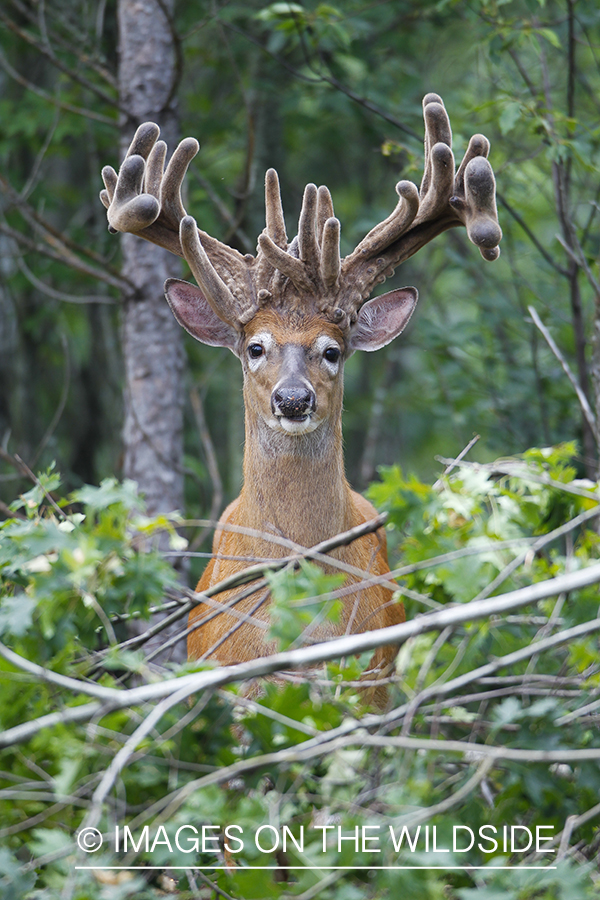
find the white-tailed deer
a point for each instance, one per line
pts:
(293, 314)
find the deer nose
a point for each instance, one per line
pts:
(293, 402)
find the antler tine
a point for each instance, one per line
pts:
(211, 284)
(324, 210)
(438, 178)
(290, 266)
(274, 210)
(170, 188)
(478, 146)
(272, 243)
(142, 213)
(129, 210)
(109, 177)
(478, 209)
(381, 236)
(330, 253)
(144, 139)
(155, 167)
(307, 228)
(437, 131)
(475, 203)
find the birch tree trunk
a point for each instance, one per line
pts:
(152, 340)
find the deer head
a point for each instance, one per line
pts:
(294, 312)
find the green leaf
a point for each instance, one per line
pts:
(16, 614)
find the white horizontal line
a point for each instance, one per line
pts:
(237, 869)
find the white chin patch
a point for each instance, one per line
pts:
(291, 426)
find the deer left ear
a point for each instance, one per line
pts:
(382, 319)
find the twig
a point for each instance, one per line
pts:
(583, 401)
(455, 462)
(60, 295)
(37, 482)
(487, 753)
(66, 247)
(122, 757)
(55, 61)
(68, 107)
(537, 244)
(535, 547)
(11, 513)
(481, 674)
(571, 824)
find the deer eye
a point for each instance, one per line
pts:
(332, 354)
(255, 350)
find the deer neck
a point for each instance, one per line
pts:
(295, 485)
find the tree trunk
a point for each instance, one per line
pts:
(152, 339)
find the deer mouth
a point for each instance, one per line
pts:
(294, 425)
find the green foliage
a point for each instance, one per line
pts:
(76, 575)
(300, 599)
(63, 574)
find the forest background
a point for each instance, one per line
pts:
(97, 380)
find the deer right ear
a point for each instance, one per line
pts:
(383, 318)
(194, 313)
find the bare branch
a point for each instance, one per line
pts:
(66, 259)
(583, 401)
(537, 244)
(68, 107)
(56, 61)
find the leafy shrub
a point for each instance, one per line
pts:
(470, 740)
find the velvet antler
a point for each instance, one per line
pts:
(308, 273)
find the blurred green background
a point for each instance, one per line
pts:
(330, 94)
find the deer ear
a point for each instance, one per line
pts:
(193, 311)
(383, 318)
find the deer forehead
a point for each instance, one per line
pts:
(274, 332)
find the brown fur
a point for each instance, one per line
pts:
(294, 487)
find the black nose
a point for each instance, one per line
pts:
(292, 402)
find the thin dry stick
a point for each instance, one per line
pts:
(571, 824)
(60, 295)
(126, 751)
(583, 401)
(250, 574)
(481, 675)
(437, 485)
(68, 107)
